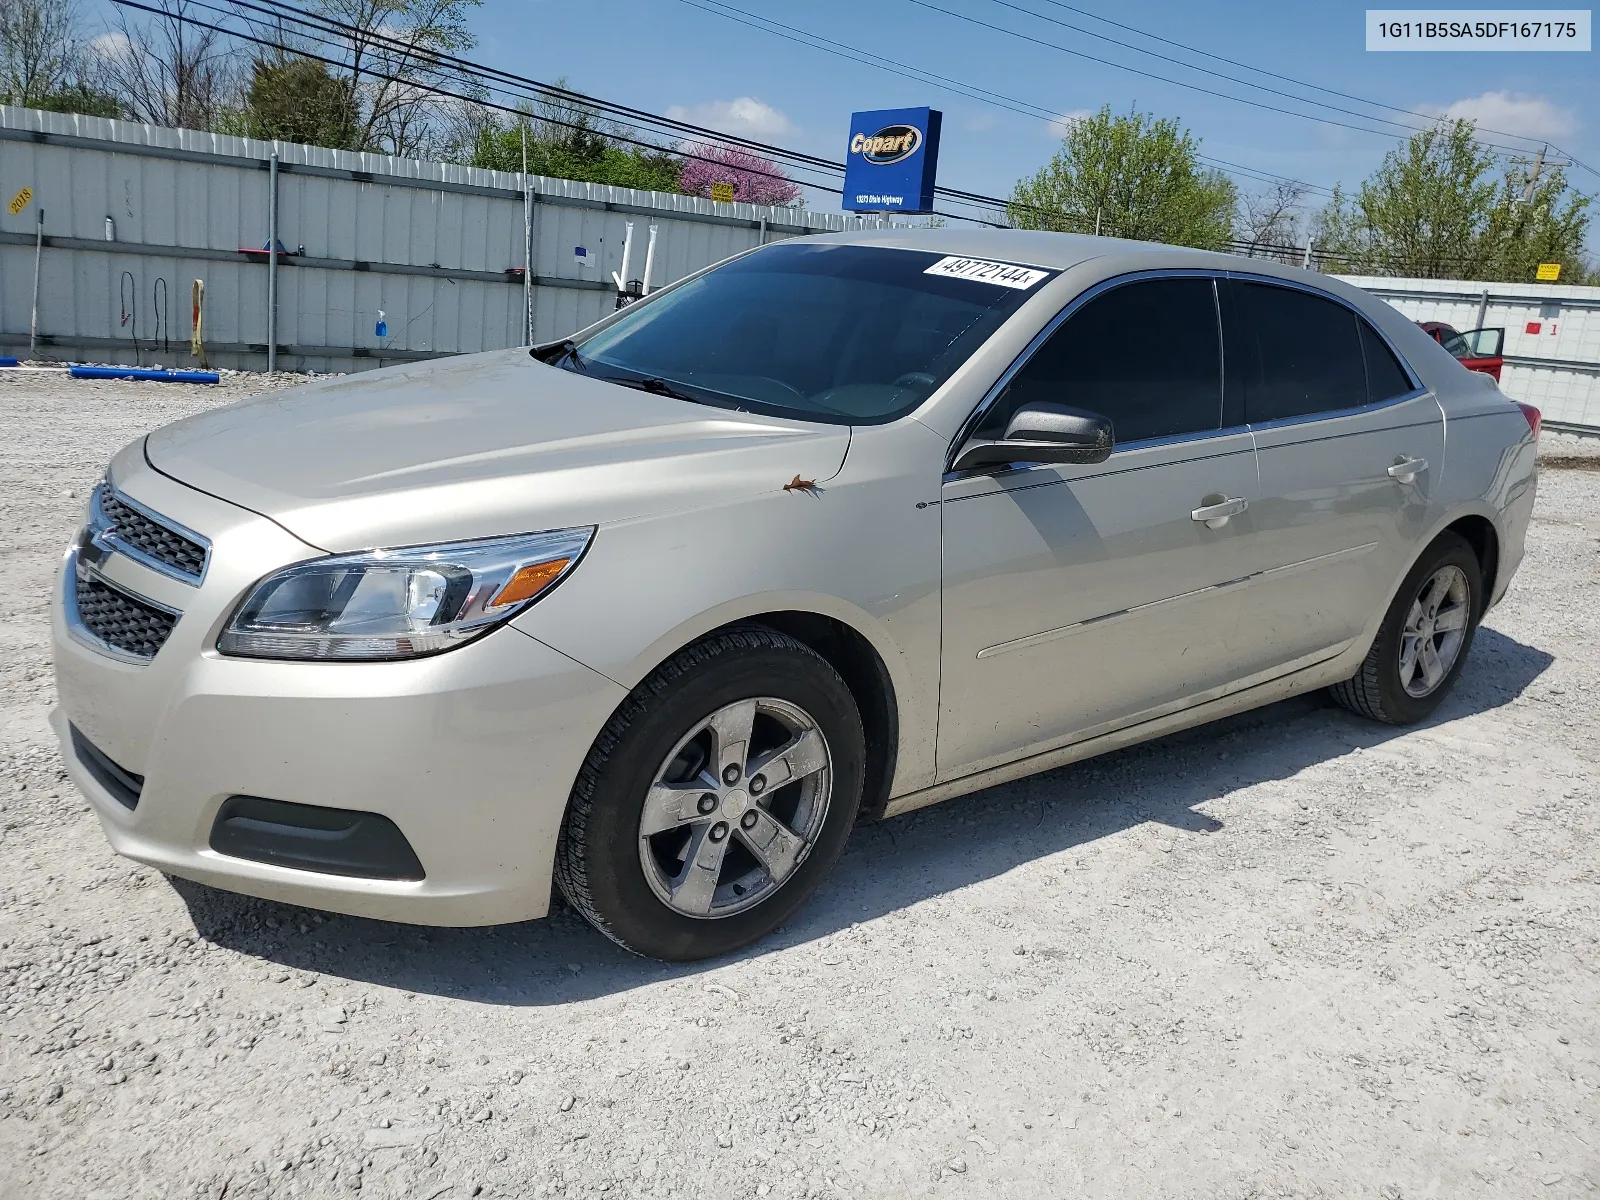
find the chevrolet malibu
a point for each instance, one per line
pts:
(833, 530)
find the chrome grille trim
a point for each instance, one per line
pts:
(79, 575)
(120, 523)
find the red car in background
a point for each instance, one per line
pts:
(1477, 349)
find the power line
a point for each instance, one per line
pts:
(320, 27)
(1194, 87)
(1233, 62)
(432, 88)
(1185, 65)
(815, 41)
(510, 83)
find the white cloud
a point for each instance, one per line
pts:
(1512, 112)
(110, 46)
(745, 116)
(1060, 126)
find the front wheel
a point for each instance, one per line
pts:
(716, 798)
(1423, 642)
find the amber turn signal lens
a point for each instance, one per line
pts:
(529, 581)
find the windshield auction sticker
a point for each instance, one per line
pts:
(984, 271)
(1478, 29)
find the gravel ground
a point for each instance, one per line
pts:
(1294, 954)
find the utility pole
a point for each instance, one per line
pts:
(1531, 177)
(272, 262)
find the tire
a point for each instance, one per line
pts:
(641, 889)
(1379, 690)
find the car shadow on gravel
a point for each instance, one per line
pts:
(887, 867)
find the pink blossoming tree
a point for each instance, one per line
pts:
(755, 179)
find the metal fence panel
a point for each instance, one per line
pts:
(1552, 348)
(437, 249)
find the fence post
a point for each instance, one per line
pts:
(527, 247)
(1483, 308)
(38, 253)
(1310, 242)
(272, 262)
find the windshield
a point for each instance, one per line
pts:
(843, 334)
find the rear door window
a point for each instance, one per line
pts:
(1147, 354)
(1305, 351)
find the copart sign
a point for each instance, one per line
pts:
(892, 159)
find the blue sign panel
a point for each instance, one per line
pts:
(893, 157)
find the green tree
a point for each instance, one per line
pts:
(299, 100)
(44, 62)
(565, 141)
(390, 66)
(83, 98)
(38, 49)
(585, 157)
(1550, 223)
(388, 56)
(1438, 208)
(1139, 176)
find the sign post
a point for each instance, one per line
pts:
(892, 160)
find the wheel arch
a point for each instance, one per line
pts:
(1480, 533)
(865, 674)
(872, 665)
(1477, 524)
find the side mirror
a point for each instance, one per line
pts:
(1042, 432)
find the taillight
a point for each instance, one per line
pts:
(1531, 413)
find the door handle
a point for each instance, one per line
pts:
(1216, 515)
(1407, 469)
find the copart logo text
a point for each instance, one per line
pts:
(890, 144)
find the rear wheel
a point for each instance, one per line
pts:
(1423, 642)
(716, 799)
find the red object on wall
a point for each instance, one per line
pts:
(1533, 327)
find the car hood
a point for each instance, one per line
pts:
(480, 445)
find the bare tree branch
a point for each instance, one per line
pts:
(167, 71)
(1272, 217)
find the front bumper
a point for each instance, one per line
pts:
(471, 753)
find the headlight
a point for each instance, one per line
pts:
(383, 604)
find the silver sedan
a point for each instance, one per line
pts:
(833, 530)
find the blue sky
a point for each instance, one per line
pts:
(669, 57)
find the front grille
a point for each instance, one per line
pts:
(121, 621)
(152, 538)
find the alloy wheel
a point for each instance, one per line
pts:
(735, 808)
(1435, 630)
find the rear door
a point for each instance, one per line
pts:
(1077, 598)
(1349, 447)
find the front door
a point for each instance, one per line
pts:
(1077, 598)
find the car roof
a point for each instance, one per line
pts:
(1062, 251)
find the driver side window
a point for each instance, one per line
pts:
(1147, 354)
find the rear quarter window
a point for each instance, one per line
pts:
(1386, 378)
